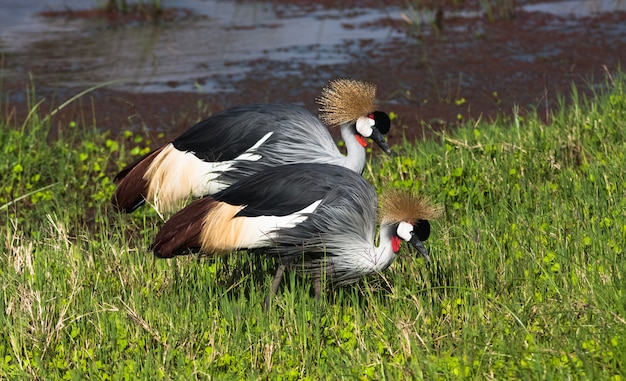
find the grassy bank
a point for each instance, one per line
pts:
(527, 278)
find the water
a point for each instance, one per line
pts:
(577, 8)
(221, 38)
(216, 39)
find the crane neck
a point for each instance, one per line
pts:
(355, 157)
(385, 251)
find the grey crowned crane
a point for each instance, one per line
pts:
(317, 218)
(240, 141)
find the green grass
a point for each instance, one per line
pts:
(527, 279)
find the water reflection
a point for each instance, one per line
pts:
(221, 39)
(577, 8)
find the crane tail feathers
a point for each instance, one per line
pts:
(182, 233)
(131, 187)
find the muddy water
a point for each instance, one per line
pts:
(207, 39)
(222, 53)
(213, 38)
(578, 8)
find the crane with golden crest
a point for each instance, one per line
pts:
(238, 142)
(320, 219)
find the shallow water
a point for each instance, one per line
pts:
(217, 38)
(577, 8)
(213, 54)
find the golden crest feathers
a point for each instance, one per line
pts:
(346, 100)
(399, 205)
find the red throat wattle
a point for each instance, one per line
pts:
(361, 140)
(395, 244)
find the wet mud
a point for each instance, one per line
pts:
(434, 66)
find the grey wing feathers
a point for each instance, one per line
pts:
(346, 219)
(229, 133)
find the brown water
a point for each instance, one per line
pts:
(480, 63)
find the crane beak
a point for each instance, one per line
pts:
(379, 138)
(419, 246)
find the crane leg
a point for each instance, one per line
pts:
(277, 279)
(317, 287)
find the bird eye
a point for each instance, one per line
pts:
(405, 231)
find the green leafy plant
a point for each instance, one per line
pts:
(526, 278)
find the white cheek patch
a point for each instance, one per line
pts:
(404, 231)
(364, 126)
